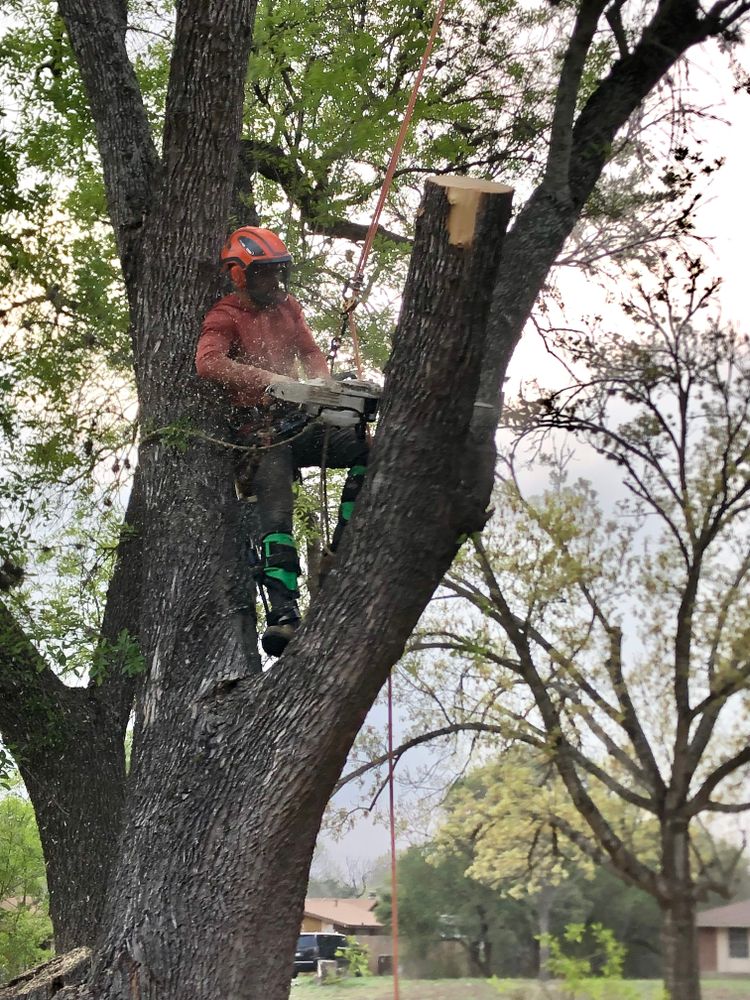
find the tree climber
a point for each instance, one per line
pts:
(251, 339)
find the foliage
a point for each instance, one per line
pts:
(574, 968)
(506, 815)
(557, 581)
(59, 450)
(582, 951)
(25, 929)
(326, 86)
(25, 936)
(438, 901)
(615, 643)
(356, 956)
(66, 420)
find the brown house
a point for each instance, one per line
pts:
(724, 938)
(353, 917)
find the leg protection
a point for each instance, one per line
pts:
(349, 494)
(280, 565)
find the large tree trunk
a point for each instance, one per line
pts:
(234, 769)
(679, 936)
(68, 744)
(78, 796)
(680, 949)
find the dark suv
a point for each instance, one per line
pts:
(314, 946)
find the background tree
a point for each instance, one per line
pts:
(507, 813)
(619, 643)
(438, 902)
(25, 928)
(455, 887)
(185, 606)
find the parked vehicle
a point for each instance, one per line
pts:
(311, 947)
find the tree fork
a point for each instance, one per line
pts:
(223, 814)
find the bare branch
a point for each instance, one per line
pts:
(557, 172)
(726, 807)
(702, 797)
(435, 734)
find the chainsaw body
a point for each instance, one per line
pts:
(340, 404)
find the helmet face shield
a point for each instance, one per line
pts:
(268, 284)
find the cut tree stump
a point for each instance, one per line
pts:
(58, 979)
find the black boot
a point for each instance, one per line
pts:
(281, 624)
(352, 486)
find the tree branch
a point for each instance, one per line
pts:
(557, 172)
(528, 256)
(33, 700)
(726, 807)
(435, 734)
(314, 201)
(600, 858)
(626, 717)
(627, 863)
(614, 20)
(129, 159)
(702, 797)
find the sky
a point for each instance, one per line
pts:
(723, 219)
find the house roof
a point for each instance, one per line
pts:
(345, 912)
(733, 915)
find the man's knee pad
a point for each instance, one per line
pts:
(280, 562)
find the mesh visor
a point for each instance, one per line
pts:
(283, 270)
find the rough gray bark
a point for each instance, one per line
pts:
(679, 937)
(69, 746)
(129, 159)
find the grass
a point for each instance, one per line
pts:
(381, 988)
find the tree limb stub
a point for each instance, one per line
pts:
(56, 978)
(464, 195)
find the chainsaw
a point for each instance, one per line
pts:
(341, 403)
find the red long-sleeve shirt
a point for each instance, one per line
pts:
(241, 346)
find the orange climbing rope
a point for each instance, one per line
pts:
(392, 808)
(354, 285)
(355, 282)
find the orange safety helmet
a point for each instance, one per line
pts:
(251, 247)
